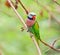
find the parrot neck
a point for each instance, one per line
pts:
(29, 22)
(30, 18)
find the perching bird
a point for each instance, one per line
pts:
(32, 25)
(33, 28)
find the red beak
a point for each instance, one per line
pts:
(34, 17)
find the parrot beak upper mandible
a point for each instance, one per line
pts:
(34, 17)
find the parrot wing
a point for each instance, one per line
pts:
(35, 30)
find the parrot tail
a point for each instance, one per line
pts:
(49, 45)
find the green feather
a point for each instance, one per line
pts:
(35, 30)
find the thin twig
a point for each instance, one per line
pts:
(18, 15)
(48, 10)
(38, 49)
(23, 7)
(55, 41)
(49, 46)
(49, 20)
(22, 21)
(56, 2)
(54, 17)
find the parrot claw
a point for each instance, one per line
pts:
(27, 30)
(31, 35)
(22, 29)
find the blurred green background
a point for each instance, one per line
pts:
(15, 42)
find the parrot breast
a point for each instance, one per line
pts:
(30, 23)
(33, 27)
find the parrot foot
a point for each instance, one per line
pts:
(31, 35)
(22, 29)
(27, 30)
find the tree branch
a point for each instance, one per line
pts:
(54, 17)
(48, 10)
(53, 44)
(49, 46)
(55, 41)
(22, 21)
(23, 7)
(56, 2)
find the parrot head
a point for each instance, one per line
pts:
(31, 16)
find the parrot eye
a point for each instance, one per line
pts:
(31, 15)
